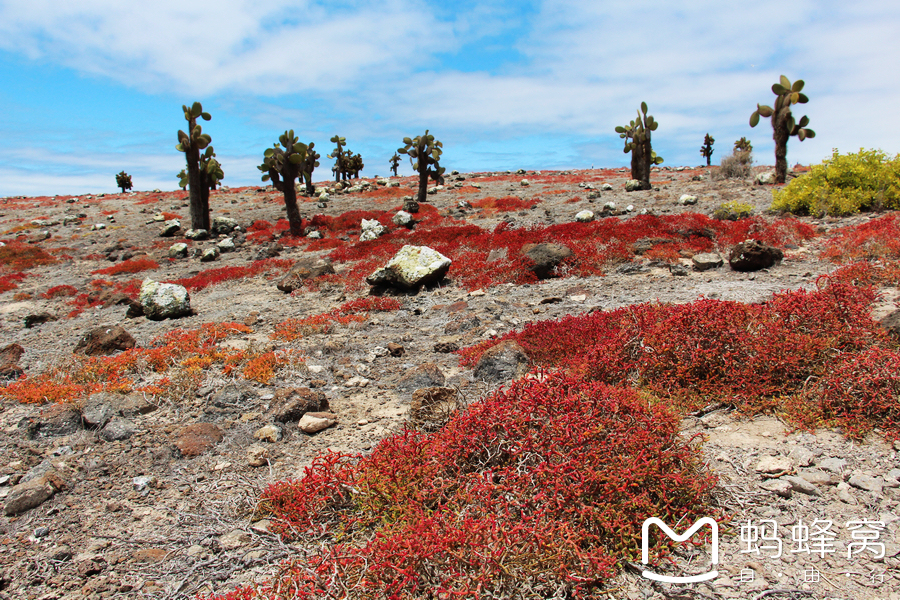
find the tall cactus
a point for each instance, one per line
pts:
(339, 155)
(123, 181)
(395, 162)
(783, 123)
(707, 149)
(282, 164)
(637, 141)
(424, 153)
(203, 171)
(307, 166)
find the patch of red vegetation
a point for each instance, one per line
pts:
(134, 265)
(491, 205)
(168, 216)
(60, 291)
(530, 487)
(16, 256)
(221, 274)
(385, 194)
(9, 281)
(875, 239)
(352, 311)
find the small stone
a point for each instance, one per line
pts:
(819, 477)
(257, 455)
(149, 555)
(803, 455)
(845, 495)
(584, 216)
(799, 484)
(868, 483)
(315, 422)
(268, 433)
(235, 539)
(687, 199)
(771, 465)
(117, 429)
(835, 465)
(143, 482)
(226, 245)
(777, 486)
(210, 254)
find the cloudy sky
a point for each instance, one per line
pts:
(90, 88)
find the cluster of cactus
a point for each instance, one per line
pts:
(395, 162)
(637, 141)
(743, 145)
(203, 170)
(783, 124)
(425, 154)
(283, 164)
(123, 181)
(707, 149)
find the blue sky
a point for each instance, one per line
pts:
(90, 88)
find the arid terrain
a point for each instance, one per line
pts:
(151, 512)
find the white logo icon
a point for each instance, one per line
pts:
(645, 553)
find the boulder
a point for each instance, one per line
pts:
(170, 228)
(164, 300)
(706, 261)
(226, 245)
(32, 493)
(118, 428)
(57, 420)
(179, 250)
(402, 219)
(411, 268)
(545, 257)
(196, 234)
(371, 229)
(765, 178)
(291, 404)
(9, 361)
(38, 319)
(423, 376)
(210, 254)
(303, 269)
(503, 362)
(753, 255)
(197, 438)
(633, 185)
(584, 216)
(104, 341)
(223, 225)
(687, 199)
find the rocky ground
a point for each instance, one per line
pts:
(164, 508)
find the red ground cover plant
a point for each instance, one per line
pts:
(10, 281)
(60, 291)
(168, 216)
(385, 194)
(596, 245)
(539, 490)
(17, 256)
(133, 265)
(754, 357)
(349, 312)
(875, 239)
(491, 205)
(221, 274)
(179, 352)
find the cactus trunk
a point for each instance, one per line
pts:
(781, 135)
(199, 191)
(640, 161)
(290, 201)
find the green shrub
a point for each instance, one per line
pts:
(732, 211)
(844, 185)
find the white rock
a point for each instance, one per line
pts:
(687, 199)
(164, 300)
(311, 423)
(584, 216)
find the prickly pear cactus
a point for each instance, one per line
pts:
(203, 171)
(783, 124)
(123, 181)
(395, 162)
(340, 158)
(308, 166)
(637, 141)
(743, 145)
(424, 153)
(707, 150)
(282, 164)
